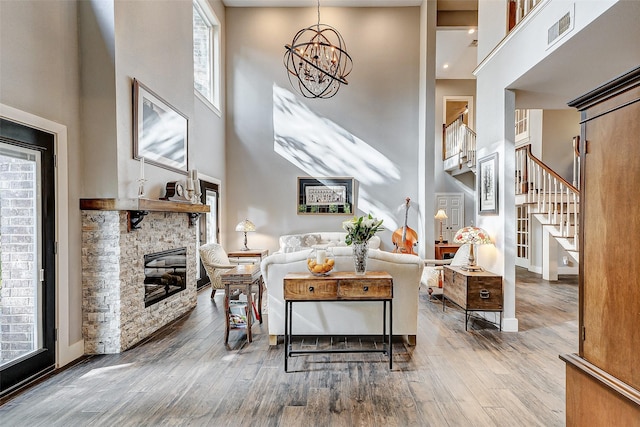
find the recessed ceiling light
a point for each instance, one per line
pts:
(445, 66)
(472, 30)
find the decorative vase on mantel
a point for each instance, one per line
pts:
(360, 252)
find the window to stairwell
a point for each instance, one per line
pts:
(522, 236)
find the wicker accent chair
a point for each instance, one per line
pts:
(215, 261)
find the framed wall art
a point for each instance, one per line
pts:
(160, 131)
(331, 195)
(488, 184)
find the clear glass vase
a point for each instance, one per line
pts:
(320, 261)
(360, 252)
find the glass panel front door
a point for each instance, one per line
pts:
(20, 291)
(27, 254)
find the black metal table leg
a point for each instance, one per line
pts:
(286, 334)
(390, 334)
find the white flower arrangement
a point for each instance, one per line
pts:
(361, 229)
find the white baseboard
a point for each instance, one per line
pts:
(568, 270)
(70, 353)
(535, 269)
(509, 324)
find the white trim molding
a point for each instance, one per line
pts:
(66, 351)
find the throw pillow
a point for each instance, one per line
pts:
(297, 242)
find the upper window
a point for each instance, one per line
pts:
(522, 124)
(206, 53)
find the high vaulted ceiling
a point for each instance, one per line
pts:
(325, 3)
(454, 45)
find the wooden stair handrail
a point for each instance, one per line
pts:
(548, 169)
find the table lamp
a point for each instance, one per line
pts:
(441, 215)
(245, 226)
(473, 236)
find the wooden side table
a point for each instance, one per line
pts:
(472, 291)
(445, 248)
(251, 256)
(242, 277)
(338, 286)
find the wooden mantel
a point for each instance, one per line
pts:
(152, 205)
(138, 208)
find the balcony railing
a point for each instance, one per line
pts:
(458, 140)
(518, 9)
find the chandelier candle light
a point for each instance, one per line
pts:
(473, 236)
(359, 232)
(245, 226)
(318, 59)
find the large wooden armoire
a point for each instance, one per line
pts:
(603, 380)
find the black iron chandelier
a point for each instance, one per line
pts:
(318, 59)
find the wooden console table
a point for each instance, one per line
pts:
(445, 248)
(338, 286)
(472, 291)
(242, 277)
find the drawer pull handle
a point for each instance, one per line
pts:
(484, 294)
(365, 288)
(310, 288)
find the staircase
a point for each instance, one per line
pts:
(552, 201)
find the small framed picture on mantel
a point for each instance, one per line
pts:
(329, 195)
(488, 184)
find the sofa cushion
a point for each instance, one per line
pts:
(303, 241)
(297, 242)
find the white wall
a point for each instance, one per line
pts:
(444, 182)
(522, 52)
(558, 129)
(208, 130)
(154, 45)
(39, 74)
(151, 42)
(369, 130)
(492, 18)
(72, 63)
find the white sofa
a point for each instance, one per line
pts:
(305, 241)
(345, 318)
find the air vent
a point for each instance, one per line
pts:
(559, 28)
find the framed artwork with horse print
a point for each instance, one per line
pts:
(330, 195)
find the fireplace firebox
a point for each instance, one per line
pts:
(165, 274)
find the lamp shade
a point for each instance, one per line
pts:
(245, 226)
(441, 214)
(473, 235)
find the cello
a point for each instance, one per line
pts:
(405, 238)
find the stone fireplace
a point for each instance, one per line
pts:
(116, 237)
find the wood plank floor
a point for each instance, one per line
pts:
(187, 376)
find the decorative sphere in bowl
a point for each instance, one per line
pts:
(320, 261)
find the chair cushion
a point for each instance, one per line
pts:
(214, 259)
